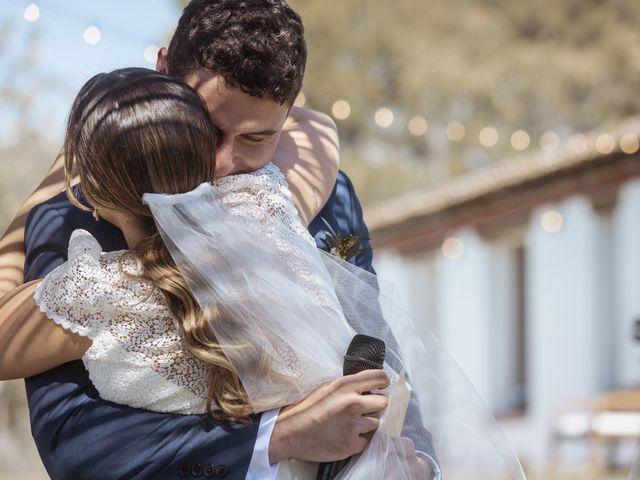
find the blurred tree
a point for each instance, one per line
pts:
(25, 156)
(25, 151)
(537, 65)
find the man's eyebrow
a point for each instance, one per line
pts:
(261, 133)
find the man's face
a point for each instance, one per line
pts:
(249, 127)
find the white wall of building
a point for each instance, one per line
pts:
(626, 225)
(565, 349)
(467, 302)
(464, 307)
(582, 297)
(411, 281)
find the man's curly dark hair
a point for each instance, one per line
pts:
(255, 45)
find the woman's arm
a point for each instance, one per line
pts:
(308, 154)
(30, 343)
(12, 242)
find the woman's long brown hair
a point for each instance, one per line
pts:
(134, 131)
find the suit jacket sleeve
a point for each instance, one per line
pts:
(80, 436)
(344, 213)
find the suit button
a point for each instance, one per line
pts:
(209, 471)
(197, 470)
(222, 470)
(184, 469)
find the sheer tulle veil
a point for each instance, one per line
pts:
(293, 309)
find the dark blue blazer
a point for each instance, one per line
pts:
(80, 436)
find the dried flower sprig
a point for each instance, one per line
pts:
(344, 247)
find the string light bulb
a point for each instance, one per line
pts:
(32, 12)
(417, 126)
(629, 143)
(549, 141)
(520, 140)
(455, 131)
(605, 143)
(453, 248)
(552, 221)
(92, 35)
(341, 109)
(488, 137)
(384, 118)
(577, 143)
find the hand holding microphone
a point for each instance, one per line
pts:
(333, 421)
(364, 353)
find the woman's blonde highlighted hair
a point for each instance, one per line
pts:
(134, 131)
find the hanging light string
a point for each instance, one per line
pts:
(488, 137)
(93, 32)
(341, 109)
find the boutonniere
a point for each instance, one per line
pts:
(344, 247)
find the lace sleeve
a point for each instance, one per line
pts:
(68, 295)
(137, 357)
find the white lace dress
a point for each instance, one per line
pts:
(137, 356)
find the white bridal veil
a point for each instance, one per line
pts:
(284, 313)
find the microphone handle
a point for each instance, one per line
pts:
(329, 471)
(367, 360)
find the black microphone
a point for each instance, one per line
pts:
(364, 353)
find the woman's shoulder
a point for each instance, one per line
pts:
(85, 251)
(82, 243)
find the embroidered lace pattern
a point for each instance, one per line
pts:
(265, 196)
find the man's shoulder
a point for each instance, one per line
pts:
(343, 189)
(342, 197)
(47, 220)
(57, 206)
(343, 215)
(48, 228)
(53, 221)
(342, 212)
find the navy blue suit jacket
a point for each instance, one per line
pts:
(79, 435)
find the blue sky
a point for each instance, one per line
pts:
(127, 28)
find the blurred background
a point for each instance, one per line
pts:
(494, 145)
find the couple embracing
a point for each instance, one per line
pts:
(179, 320)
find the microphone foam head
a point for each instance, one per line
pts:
(364, 353)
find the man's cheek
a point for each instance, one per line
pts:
(260, 156)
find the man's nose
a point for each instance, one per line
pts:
(225, 163)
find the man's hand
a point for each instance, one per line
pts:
(334, 422)
(391, 458)
(411, 465)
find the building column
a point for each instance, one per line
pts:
(626, 225)
(465, 311)
(565, 346)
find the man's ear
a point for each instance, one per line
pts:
(161, 61)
